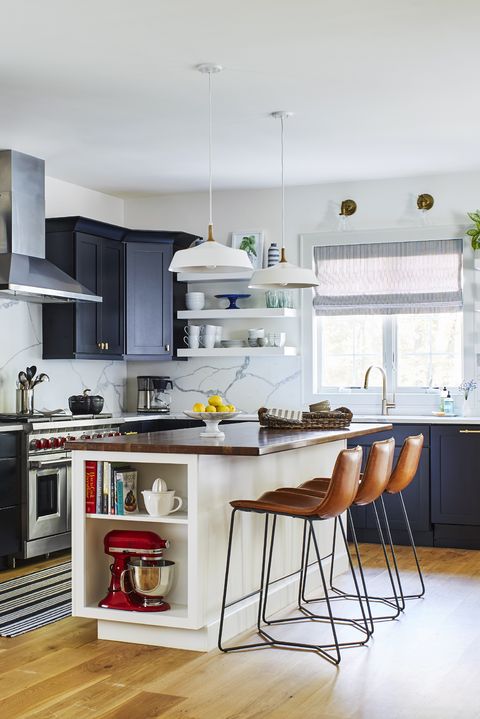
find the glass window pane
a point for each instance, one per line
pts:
(350, 345)
(429, 350)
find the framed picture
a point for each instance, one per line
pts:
(252, 242)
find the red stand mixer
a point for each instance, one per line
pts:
(140, 576)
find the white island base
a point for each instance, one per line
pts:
(198, 542)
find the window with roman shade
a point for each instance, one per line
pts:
(389, 278)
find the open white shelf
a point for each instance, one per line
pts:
(212, 277)
(176, 616)
(239, 352)
(177, 518)
(255, 312)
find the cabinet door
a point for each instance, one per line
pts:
(416, 497)
(111, 289)
(88, 314)
(455, 482)
(149, 300)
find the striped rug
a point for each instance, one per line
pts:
(36, 599)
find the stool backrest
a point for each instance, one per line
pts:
(407, 464)
(344, 484)
(377, 472)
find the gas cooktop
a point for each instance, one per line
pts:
(50, 417)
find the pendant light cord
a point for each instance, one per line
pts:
(210, 143)
(282, 160)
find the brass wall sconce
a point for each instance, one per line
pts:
(425, 201)
(348, 207)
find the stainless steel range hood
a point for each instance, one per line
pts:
(25, 274)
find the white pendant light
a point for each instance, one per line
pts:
(210, 256)
(283, 274)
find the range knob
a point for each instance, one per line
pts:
(117, 434)
(46, 443)
(110, 434)
(35, 444)
(62, 441)
(55, 442)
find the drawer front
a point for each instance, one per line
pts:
(9, 482)
(9, 531)
(8, 444)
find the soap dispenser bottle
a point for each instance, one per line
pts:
(448, 405)
(443, 396)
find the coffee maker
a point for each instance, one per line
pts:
(140, 577)
(154, 394)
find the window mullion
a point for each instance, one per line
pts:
(389, 350)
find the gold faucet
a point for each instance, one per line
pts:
(386, 405)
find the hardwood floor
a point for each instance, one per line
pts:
(423, 666)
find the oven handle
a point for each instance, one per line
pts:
(46, 462)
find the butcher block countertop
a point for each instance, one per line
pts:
(247, 439)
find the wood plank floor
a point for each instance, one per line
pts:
(423, 666)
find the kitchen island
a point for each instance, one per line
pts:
(207, 474)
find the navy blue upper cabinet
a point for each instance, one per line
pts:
(93, 253)
(149, 300)
(456, 489)
(129, 269)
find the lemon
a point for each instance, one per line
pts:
(198, 407)
(223, 408)
(231, 408)
(215, 400)
(210, 408)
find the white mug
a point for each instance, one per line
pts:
(158, 504)
(254, 333)
(193, 342)
(193, 330)
(210, 328)
(208, 340)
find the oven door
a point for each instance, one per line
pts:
(48, 497)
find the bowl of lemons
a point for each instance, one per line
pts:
(212, 413)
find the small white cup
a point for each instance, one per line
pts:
(193, 330)
(193, 342)
(254, 333)
(208, 340)
(210, 328)
(279, 339)
(195, 300)
(158, 504)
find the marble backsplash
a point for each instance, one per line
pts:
(21, 345)
(246, 382)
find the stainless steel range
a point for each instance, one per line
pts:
(46, 478)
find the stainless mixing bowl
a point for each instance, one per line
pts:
(152, 579)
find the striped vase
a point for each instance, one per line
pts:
(273, 254)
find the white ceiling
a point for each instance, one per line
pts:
(106, 91)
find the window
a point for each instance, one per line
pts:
(418, 351)
(395, 304)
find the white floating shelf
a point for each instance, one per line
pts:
(254, 312)
(240, 352)
(212, 277)
(177, 518)
(177, 616)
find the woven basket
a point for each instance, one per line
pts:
(339, 418)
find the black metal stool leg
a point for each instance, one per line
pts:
(394, 556)
(225, 589)
(269, 567)
(414, 550)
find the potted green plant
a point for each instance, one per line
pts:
(474, 232)
(248, 244)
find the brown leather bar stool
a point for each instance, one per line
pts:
(403, 474)
(339, 496)
(372, 484)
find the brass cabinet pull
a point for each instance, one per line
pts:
(469, 431)
(106, 346)
(100, 345)
(167, 348)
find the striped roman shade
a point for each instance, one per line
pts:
(389, 278)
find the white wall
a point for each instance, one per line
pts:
(21, 323)
(381, 203)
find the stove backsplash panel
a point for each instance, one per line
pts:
(21, 345)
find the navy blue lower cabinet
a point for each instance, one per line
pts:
(416, 496)
(456, 486)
